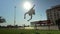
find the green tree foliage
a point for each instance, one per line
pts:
(2, 20)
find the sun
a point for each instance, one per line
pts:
(27, 5)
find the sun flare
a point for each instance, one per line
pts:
(27, 5)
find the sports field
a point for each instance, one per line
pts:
(24, 31)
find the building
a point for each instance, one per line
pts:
(43, 25)
(39, 23)
(53, 14)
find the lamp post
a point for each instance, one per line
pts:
(14, 15)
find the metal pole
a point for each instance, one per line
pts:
(14, 15)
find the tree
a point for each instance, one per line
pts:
(2, 20)
(58, 23)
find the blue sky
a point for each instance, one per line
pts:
(7, 10)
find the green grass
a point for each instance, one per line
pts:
(22, 31)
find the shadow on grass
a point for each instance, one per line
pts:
(48, 33)
(21, 33)
(37, 33)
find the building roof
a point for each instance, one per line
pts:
(40, 22)
(57, 7)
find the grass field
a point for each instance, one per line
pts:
(24, 31)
